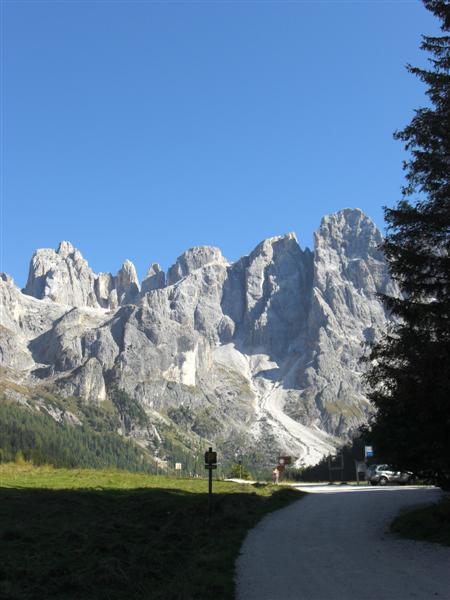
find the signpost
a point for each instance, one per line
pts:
(210, 464)
(368, 451)
(283, 462)
(335, 463)
(361, 468)
(178, 467)
(238, 457)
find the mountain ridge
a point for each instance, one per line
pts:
(265, 349)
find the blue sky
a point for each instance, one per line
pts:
(139, 129)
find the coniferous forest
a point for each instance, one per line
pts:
(38, 438)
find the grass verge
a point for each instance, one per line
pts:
(94, 535)
(430, 523)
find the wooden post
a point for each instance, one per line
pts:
(209, 492)
(210, 464)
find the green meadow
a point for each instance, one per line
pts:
(108, 534)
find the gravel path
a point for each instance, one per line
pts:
(334, 545)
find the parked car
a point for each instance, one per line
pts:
(383, 474)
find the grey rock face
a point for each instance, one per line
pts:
(64, 346)
(267, 295)
(259, 354)
(349, 270)
(26, 317)
(62, 276)
(86, 382)
(154, 280)
(13, 351)
(65, 277)
(127, 283)
(192, 259)
(105, 290)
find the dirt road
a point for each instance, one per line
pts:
(334, 545)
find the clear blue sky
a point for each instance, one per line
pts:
(138, 129)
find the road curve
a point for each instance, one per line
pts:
(334, 544)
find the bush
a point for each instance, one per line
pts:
(238, 471)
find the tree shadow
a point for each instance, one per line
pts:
(110, 544)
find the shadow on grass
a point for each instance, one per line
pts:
(430, 523)
(111, 544)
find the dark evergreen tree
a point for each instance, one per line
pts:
(409, 370)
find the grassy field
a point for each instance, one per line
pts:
(85, 534)
(430, 523)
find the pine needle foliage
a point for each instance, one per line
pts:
(409, 372)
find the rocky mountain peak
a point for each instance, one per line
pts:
(349, 232)
(153, 269)
(266, 296)
(193, 259)
(154, 280)
(127, 273)
(63, 276)
(65, 248)
(347, 245)
(127, 283)
(274, 247)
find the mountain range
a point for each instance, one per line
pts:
(259, 357)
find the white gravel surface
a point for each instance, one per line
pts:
(334, 544)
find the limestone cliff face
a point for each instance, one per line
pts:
(127, 283)
(266, 295)
(193, 259)
(262, 353)
(154, 280)
(65, 277)
(62, 276)
(345, 312)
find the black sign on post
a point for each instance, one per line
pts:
(210, 458)
(210, 464)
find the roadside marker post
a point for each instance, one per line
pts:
(210, 464)
(335, 463)
(283, 462)
(360, 468)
